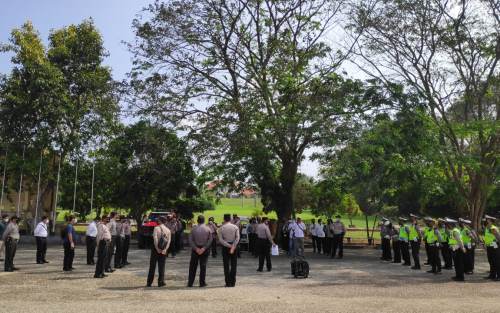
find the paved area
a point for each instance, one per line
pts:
(358, 283)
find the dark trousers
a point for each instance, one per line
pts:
(118, 251)
(319, 244)
(214, 246)
(160, 259)
(171, 248)
(102, 251)
(10, 253)
(469, 259)
(446, 253)
(494, 260)
(405, 253)
(264, 252)
(91, 243)
(125, 247)
(230, 262)
(338, 243)
(314, 243)
(178, 241)
(415, 250)
(327, 246)
(41, 249)
(252, 242)
(427, 253)
(193, 266)
(69, 255)
(386, 249)
(434, 259)
(109, 253)
(397, 251)
(458, 260)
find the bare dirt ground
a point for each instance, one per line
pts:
(358, 283)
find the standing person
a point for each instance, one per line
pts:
(41, 234)
(415, 238)
(491, 242)
(289, 230)
(404, 233)
(445, 247)
(385, 235)
(252, 236)
(162, 239)
(229, 237)
(312, 232)
(457, 248)
(427, 228)
(69, 239)
(200, 240)
(237, 221)
(299, 230)
(395, 243)
(103, 239)
(213, 230)
(179, 231)
(120, 236)
(127, 233)
(338, 238)
(11, 237)
(327, 247)
(433, 238)
(320, 236)
(469, 239)
(3, 225)
(91, 241)
(264, 243)
(111, 247)
(171, 224)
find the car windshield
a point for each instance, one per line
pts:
(153, 217)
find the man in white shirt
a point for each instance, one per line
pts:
(298, 230)
(90, 241)
(41, 234)
(320, 235)
(314, 237)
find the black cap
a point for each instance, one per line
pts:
(227, 217)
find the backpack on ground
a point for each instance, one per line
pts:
(300, 268)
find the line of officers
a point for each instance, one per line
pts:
(454, 240)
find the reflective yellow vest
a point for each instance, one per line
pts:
(489, 237)
(451, 240)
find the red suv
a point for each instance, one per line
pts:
(145, 233)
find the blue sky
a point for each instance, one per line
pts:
(112, 17)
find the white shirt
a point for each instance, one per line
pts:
(41, 230)
(91, 230)
(320, 232)
(312, 229)
(297, 230)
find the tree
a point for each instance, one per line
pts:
(252, 82)
(448, 53)
(349, 206)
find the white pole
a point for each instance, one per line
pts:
(20, 184)
(54, 215)
(92, 188)
(3, 179)
(38, 187)
(74, 189)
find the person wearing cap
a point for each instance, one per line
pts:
(213, 230)
(103, 240)
(385, 235)
(338, 237)
(127, 234)
(91, 241)
(491, 242)
(111, 247)
(433, 238)
(264, 243)
(200, 240)
(3, 225)
(171, 224)
(444, 246)
(120, 236)
(11, 237)
(457, 247)
(427, 228)
(320, 236)
(159, 255)
(404, 235)
(41, 234)
(394, 232)
(415, 237)
(469, 238)
(229, 237)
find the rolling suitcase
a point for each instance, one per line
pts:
(300, 268)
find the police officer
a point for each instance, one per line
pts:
(491, 242)
(415, 237)
(11, 237)
(385, 234)
(264, 243)
(103, 239)
(469, 238)
(457, 248)
(445, 247)
(404, 233)
(427, 228)
(432, 239)
(229, 237)
(395, 243)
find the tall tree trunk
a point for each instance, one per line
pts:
(476, 200)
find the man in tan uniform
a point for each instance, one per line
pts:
(200, 240)
(229, 237)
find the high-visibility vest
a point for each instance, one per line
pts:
(444, 234)
(413, 232)
(451, 240)
(489, 237)
(402, 233)
(430, 236)
(466, 239)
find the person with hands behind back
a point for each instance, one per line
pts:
(161, 241)
(200, 240)
(229, 237)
